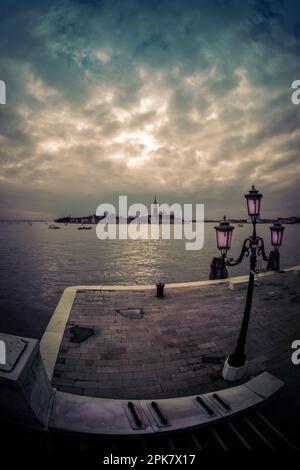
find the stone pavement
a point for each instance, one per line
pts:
(179, 346)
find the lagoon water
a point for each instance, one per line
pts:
(37, 264)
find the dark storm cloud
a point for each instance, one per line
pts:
(177, 98)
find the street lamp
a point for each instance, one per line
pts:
(276, 240)
(276, 235)
(253, 199)
(253, 247)
(224, 233)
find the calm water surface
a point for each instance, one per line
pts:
(37, 264)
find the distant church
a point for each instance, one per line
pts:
(155, 205)
(161, 217)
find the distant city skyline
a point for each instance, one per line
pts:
(187, 100)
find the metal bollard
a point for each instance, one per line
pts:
(160, 288)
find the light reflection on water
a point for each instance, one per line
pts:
(38, 263)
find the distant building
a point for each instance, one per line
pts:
(155, 209)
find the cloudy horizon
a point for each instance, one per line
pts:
(190, 101)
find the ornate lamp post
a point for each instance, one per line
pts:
(253, 246)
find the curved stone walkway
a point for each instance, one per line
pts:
(178, 347)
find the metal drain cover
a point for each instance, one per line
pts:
(80, 333)
(133, 313)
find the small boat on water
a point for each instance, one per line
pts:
(82, 226)
(53, 227)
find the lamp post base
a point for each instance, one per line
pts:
(232, 374)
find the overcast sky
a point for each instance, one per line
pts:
(189, 100)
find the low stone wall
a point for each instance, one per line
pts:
(26, 394)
